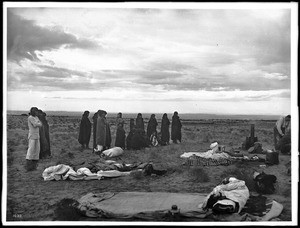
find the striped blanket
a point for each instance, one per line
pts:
(200, 161)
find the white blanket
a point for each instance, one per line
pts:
(113, 152)
(63, 172)
(235, 190)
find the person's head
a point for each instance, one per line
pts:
(33, 111)
(139, 115)
(86, 113)
(119, 115)
(175, 113)
(152, 116)
(102, 113)
(288, 118)
(40, 113)
(165, 115)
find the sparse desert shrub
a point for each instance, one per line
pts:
(198, 174)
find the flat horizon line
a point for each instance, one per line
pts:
(183, 113)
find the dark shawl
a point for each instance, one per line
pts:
(176, 128)
(44, 138)
(108, 136)
(120, 134)
(139, 123)
(85, 130)
(151, 127)
(95, 117)
(165, 134)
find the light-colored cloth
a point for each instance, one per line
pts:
(208, 154)
(112, 173)
(236, 190)
(63, 172)
(113, 152)
(33, 151)
(58, 172)
(33, 124)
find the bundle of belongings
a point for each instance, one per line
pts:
(65, 172)
(272, 157)
(264, 183)
(256, 149)
(99, 170)
(112, 152)
(228, 197)
(212, 157)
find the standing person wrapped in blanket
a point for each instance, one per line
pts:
(33, 151)
(95, 117)
(44, 136)
(165, 134)
(282, 134)
(120, 135)
(176, 128)
(151, 130)
(139, 122)
(85, 130)
(103, 136)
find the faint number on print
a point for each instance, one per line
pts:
(17, 215)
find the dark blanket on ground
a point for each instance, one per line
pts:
(156, 206)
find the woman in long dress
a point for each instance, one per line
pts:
(120, 134)
(85, 130)
(176, 128)
(165, 133)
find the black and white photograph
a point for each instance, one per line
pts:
(139, 113)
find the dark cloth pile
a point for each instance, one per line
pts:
(264, 183)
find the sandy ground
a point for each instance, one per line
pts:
(30, 198)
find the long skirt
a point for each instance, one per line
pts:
(120, 138)
(33, 151)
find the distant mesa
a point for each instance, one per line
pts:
(24, 114)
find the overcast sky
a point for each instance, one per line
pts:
(222, 61)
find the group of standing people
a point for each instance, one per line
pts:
(137, 137)
(38, 138)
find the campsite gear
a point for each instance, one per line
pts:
(264, 183)
(174, 213)
(256, 148)
(275, 211)
(221, 148)
(249, 142)
(113, 152)
(272, 157)
(235, 190)
(214, 146)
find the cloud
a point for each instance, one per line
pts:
(276, 76)
(25, 38)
